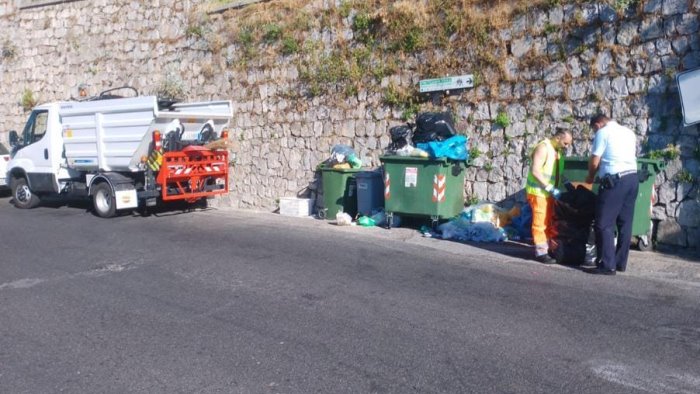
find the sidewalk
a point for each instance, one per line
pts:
(647, 265)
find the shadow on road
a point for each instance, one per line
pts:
(85, 205)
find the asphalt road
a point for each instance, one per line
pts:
(224, 301)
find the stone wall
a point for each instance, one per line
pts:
(556, 66)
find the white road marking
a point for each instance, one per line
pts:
(650, 378)
(27, 283)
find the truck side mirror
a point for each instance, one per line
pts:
(14, 138)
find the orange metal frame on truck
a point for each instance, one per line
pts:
(185, 175)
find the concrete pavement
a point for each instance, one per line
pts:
(682, 269)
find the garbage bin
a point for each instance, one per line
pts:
(415, 186)
(575, 169)
(370, 192)
(339, 192)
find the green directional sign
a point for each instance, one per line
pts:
(447, 83)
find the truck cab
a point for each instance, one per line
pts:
(37, 155)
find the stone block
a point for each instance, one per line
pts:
(521, 46)
(650, 29)
(607, 13)
(693, 238)
(691, 60)
(659, 212)
(576, 91)
(619, 87)
(496, 174)
(689, 213)
(653, 6)
(556, 16)
(673, 167)
(667, 193)
(671, 233)
(480, 190)
(688, 24)
(574, 67)
(496, 192)
(636, 85)
(674, 7)
(555, 72)
(553, 90)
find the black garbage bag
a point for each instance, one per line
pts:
(433, 126)
(400, 137)
(573, 220)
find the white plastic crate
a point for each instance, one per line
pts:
(293, 206)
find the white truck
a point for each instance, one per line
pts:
(124, 153)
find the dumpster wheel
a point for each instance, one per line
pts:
(322, 213)
(644, 242)
(434, 222)
(389, 220)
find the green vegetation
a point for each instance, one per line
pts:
(671, 152)
(289, 46)
(502, 120)
(435, 38)
(195, 31)
(171, 87)
(474, 153)
(403, 99)
(550, 28)
(8, 50)
(28, 101)
(623, 5)
(471, 200)
(272, 32)
(685, 177)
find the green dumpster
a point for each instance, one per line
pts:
(339, 192)
(416, 186)
(575, 169)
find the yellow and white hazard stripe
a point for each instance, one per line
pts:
(155, 160)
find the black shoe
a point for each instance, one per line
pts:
(545, 259)
(589, 264)
(621, 269)
(601, 271)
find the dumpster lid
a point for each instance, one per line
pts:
(688, 83)
(417, 159)
(324, 168)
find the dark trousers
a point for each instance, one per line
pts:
(615, 209)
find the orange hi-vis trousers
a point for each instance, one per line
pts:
(542, 216)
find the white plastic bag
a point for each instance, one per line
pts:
(343, 219)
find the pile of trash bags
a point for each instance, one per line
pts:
(377, 218)
(433, 135)
(485, 222)
(343, 157)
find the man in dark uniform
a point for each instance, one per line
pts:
(614, 160)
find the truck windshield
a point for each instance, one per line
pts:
(3, 150)
(36, 127)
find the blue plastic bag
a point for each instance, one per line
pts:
(523, 223)
(454, 148)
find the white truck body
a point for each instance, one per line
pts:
(73, 143)
(688, 83)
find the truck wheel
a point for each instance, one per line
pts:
(22, 194)
(103, 201)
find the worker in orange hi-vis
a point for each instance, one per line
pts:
(541, 190)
